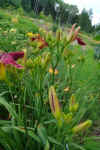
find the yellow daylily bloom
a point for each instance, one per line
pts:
(30, 34)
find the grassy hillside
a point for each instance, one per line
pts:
(30, 114)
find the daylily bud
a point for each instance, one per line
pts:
(68, 117)
(13, 30)
(82, 126)
(37, 61)
(50, 70)
(25, 56)
(69, 38)
(45, 59)
(29, 63)
(2, 72)
(54, 103)
(73, 106)
(56, 72)
(75, 33)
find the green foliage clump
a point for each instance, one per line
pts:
(47, 104)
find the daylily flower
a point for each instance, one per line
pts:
(11, 58)
(30, 34)
(80, 42)
(36, 37)
(73, 35)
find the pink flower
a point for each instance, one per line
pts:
(11, 58)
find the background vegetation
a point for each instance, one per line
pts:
(61, 12)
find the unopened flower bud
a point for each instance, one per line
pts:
(76, 33)
(82, 126)
(2, 71)
(69, 38)
(73, 106)
(54, 103)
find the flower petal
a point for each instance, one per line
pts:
(7, 59)
(16, 55)
(80, 42)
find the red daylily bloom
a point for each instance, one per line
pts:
(73, 35)
(80, 42)
(36, 37)
(43, 43)
(11, 58)
(40, 40)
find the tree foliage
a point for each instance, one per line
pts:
(61, 12)
(85, 21)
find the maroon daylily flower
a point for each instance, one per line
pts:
(43, 43)
(73, 35)
(80, 42)
(40, 40)
(11, 58)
